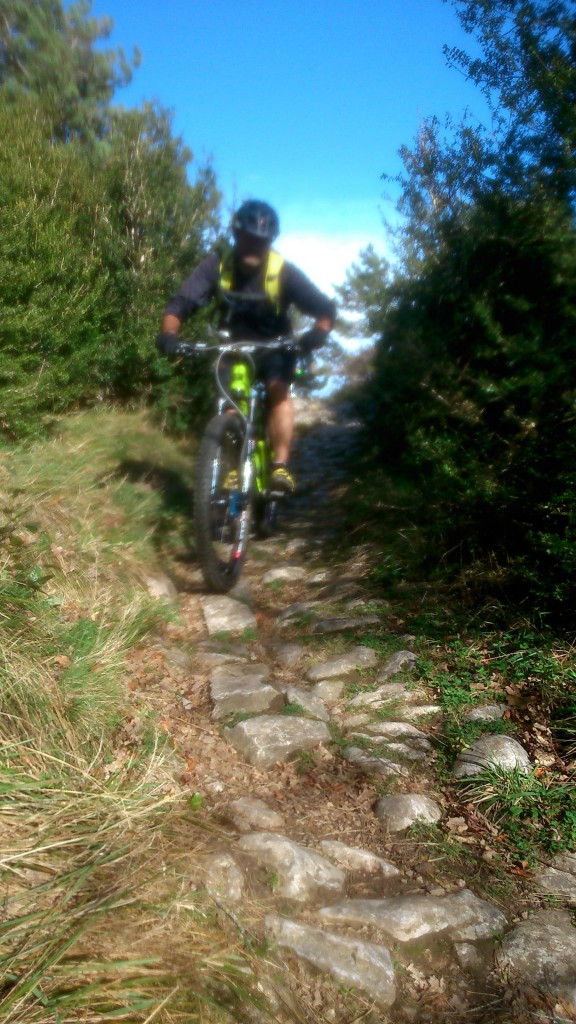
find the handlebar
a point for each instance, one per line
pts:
(189, 348)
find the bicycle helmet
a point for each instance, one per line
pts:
(256, 218)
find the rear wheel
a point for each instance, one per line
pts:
(221, 509)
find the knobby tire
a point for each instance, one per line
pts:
(220, 548)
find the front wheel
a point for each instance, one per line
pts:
(221, 507)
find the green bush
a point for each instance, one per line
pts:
(474, 393)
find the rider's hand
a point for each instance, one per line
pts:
(312, 339)
(167, 343)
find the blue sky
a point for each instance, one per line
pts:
(304, 104)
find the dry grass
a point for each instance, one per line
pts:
(104, 915)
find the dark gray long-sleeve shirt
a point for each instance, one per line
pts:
(253, 319)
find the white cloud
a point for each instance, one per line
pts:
(324, 258)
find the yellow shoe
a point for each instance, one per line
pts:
(281, 479)
(231, 481)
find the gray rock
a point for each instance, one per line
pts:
(565, 862)
(338, 623)
(540, 954)
(395, 664)
(421, 710)
(309, 702)
(461, 916)
(241, 688)
(405, 750)
(249, 814)
(242, 591)
(397, 731)
(551, 881)
(179, 658)
(160, 586)
(360, 965)
(303, 874)
(270, 738)
(399, 812)
(295, 545)
(231, 672)
(490, 752)
(343, 664)
(224, 614)
(225, 879)
(486, 713)
(286, 573)
(220, 658)
(296, 611)
(472, 958)
(288, 655)
(329, 690)
(369, 763)
(349, 858)
(396, 692)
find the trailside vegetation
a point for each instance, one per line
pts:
(474, 384)
(99, 221)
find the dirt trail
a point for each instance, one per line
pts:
(437, 963)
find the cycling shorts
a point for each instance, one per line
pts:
(275, 365)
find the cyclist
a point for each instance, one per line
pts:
(270, 284)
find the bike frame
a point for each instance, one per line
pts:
(246, 396)
(234, 459)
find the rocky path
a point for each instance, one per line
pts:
(296, 706)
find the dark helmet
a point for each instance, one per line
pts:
(256, 218)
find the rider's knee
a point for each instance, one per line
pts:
(277, 391)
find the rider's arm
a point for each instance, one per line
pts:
(298, 289)
(195, 292)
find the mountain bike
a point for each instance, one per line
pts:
(233, 469)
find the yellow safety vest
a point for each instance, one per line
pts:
(274, 265)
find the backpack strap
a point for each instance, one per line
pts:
(274, 265)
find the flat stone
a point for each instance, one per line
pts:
(238, 688)
(369, 763)
(309, 702)
(343, 664)
(461, 916)
(421, 710)
(565, 862)
(296, 611)
(303, 874)
(360, 965)
(248, 814)
(349, 858)
(339, 623)
(267, 739)
(285, 573)
(295, 545)
(399, 812)
(225, 879)
(486, 713)
(396, 692)
(288, 654)
(329, 690)
(405, 750)
(160, 586)
(540, 954)
(220, 658)
(471, 958)
(224, 614)
(489, 752)
(396, 663)
(552, 882)
(396, 731)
